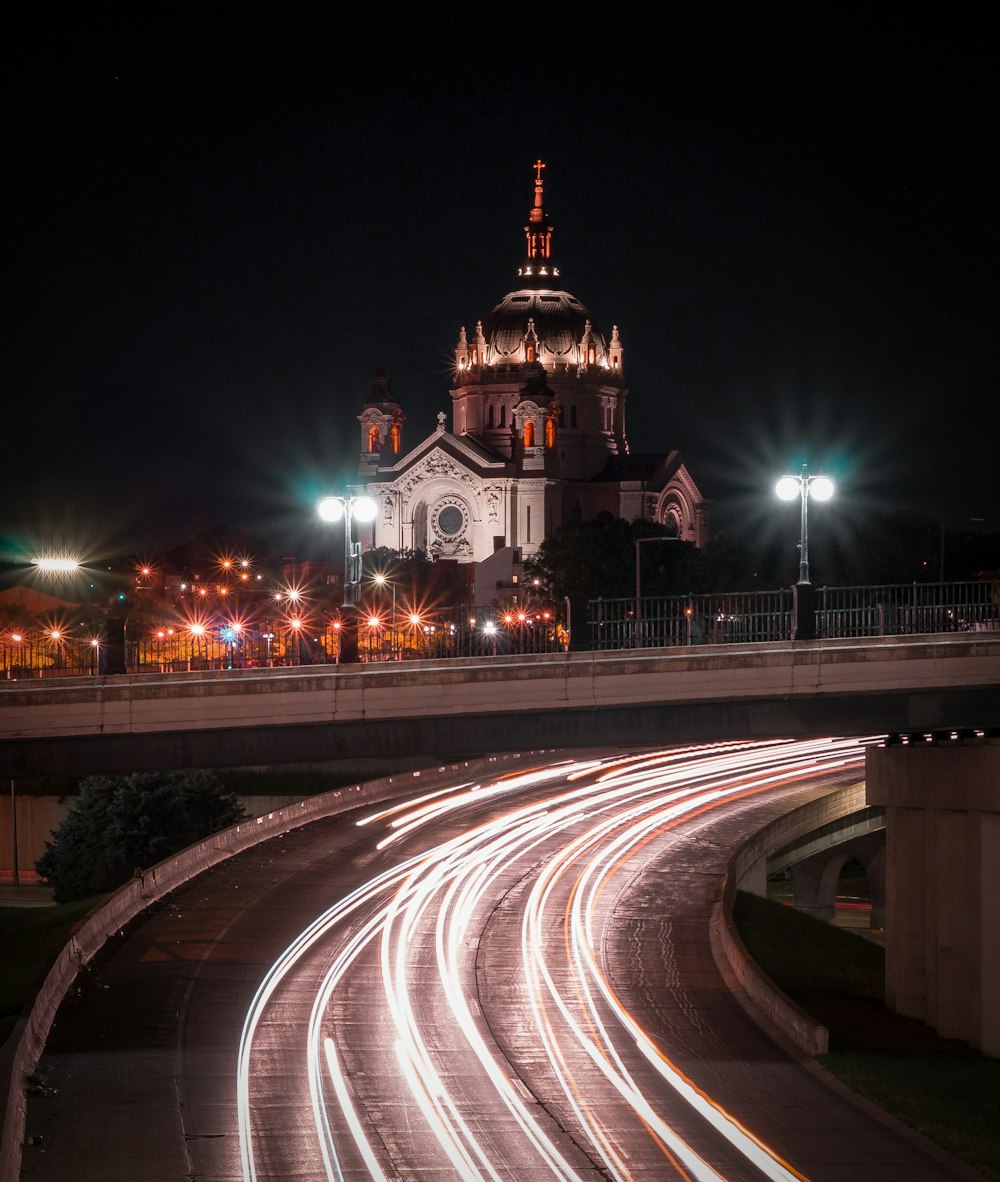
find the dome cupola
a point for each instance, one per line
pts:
(539, 321)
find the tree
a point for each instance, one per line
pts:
(900, 546)
(121, 822)
(596, 560)
(587, 559)
(727, 564)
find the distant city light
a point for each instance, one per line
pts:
(56, 564)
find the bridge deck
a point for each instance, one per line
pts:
(472, 705)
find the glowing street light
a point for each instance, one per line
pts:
(56, 565)
(350, 508)
(804, 487)
(382, 580)
(490, 631)
(820, 488)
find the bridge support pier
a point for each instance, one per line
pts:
(815, 879)
(942, 802)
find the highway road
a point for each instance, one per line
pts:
(502, 979)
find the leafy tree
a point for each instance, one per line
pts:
(885, 548)
(586, 559)
(596, 560)
(727, 564)
(120, 822)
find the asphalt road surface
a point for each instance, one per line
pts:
(509, 979)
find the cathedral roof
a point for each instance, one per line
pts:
(641, 466)
(470, 452)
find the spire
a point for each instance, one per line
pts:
(538, 235)
(538, 214)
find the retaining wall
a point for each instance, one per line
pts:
(154, 884)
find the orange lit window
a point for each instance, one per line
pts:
(531, 352)
(529, 434)
(394, 436)
(550, 432)
(373, 439)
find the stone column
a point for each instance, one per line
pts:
(942, 801)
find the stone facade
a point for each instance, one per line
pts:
(537, 435)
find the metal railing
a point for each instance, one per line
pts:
(753, 617)
(767, 616)
(33, 652)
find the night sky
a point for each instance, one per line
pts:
(218, 231)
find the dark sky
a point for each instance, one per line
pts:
(217, 232)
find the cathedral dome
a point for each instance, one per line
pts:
(538, 322)
(556, 320)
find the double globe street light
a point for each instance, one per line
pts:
(819, 488)
(351, 508)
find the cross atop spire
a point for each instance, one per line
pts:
(538, 234)
(537, 213)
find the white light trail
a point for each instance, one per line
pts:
(567, 837)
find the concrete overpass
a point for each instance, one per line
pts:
(936, 699)
(468, 706)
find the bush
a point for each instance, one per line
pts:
(121, 822)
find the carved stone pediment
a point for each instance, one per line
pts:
(437, 466)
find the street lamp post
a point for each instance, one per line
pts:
(804, 486)
(361, 508)
(638, 583)
(383, 579)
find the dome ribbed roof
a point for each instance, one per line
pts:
(559, 321)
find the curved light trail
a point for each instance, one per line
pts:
(600, 1093)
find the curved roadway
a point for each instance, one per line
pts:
(507, 979)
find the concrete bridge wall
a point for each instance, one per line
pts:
(468, 707)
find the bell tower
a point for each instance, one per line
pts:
(381, 427)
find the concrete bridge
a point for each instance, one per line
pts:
(933, 782)
(469, 706)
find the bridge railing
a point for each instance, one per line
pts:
(609, 624)
(766, 616)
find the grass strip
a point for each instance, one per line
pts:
(31, 938)
(938, 1087)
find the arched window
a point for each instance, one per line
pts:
(531, 352)
(373, 439)
(489, 415)
(550, 431)
(529, 434)
(503, 416)
(394, 436)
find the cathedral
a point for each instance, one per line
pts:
(537, 437)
